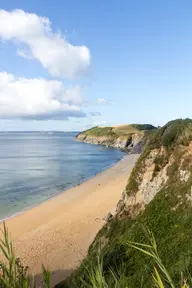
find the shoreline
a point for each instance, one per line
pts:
(59, 193)
(58, 232)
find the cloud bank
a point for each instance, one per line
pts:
(38, 99)
(51, 49)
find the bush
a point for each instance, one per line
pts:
(96, 276)
(145, 127)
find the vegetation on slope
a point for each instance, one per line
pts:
(131, 138)
(174, 137)
(132, 128)
(117, 131)
(161, 278)
(168, 215)
(15, 275)
(117, 258)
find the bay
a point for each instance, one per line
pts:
(35, 166)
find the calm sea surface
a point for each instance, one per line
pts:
(35, 166)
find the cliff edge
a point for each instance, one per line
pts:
(130, 137)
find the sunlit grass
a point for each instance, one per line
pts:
(160, 278)
(14, 275)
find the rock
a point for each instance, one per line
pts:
(184, 175)
(108, 217)
(120, 206)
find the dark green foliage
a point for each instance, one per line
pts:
(177, 132)
(172, 229)
(168, 215)
(145, 127)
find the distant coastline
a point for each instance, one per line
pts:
(130, 138)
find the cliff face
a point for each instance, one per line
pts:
(158, 196)
(126, 141)
(152, 178)
(128, 137)
(166, 163)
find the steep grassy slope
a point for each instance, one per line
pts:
(158, 195)
(123, 136)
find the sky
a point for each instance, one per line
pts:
(69, 65)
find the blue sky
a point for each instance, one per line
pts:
(136, 68)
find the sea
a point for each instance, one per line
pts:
(35, 166)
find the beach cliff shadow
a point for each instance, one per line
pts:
(57, 277)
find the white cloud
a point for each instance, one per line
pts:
(38, 99)
(53, 51)
(102, 101)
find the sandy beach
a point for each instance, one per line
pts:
(58, 232)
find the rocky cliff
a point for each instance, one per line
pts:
(129, 137)
(166, 163)
(158, 197)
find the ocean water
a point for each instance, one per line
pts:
(35, 166)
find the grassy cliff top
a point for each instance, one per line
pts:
(121, 130)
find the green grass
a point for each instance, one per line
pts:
(173, 232)
(132, 128)
(117, 131)
(100, 131)
(14, 275)
(159, 276)
(168, 215)
(177, 132)
(126, 134)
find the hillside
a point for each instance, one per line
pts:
(131, 137)
(158, 196)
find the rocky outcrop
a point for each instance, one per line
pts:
(132, 142)
(152, 178)
(149, 185)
